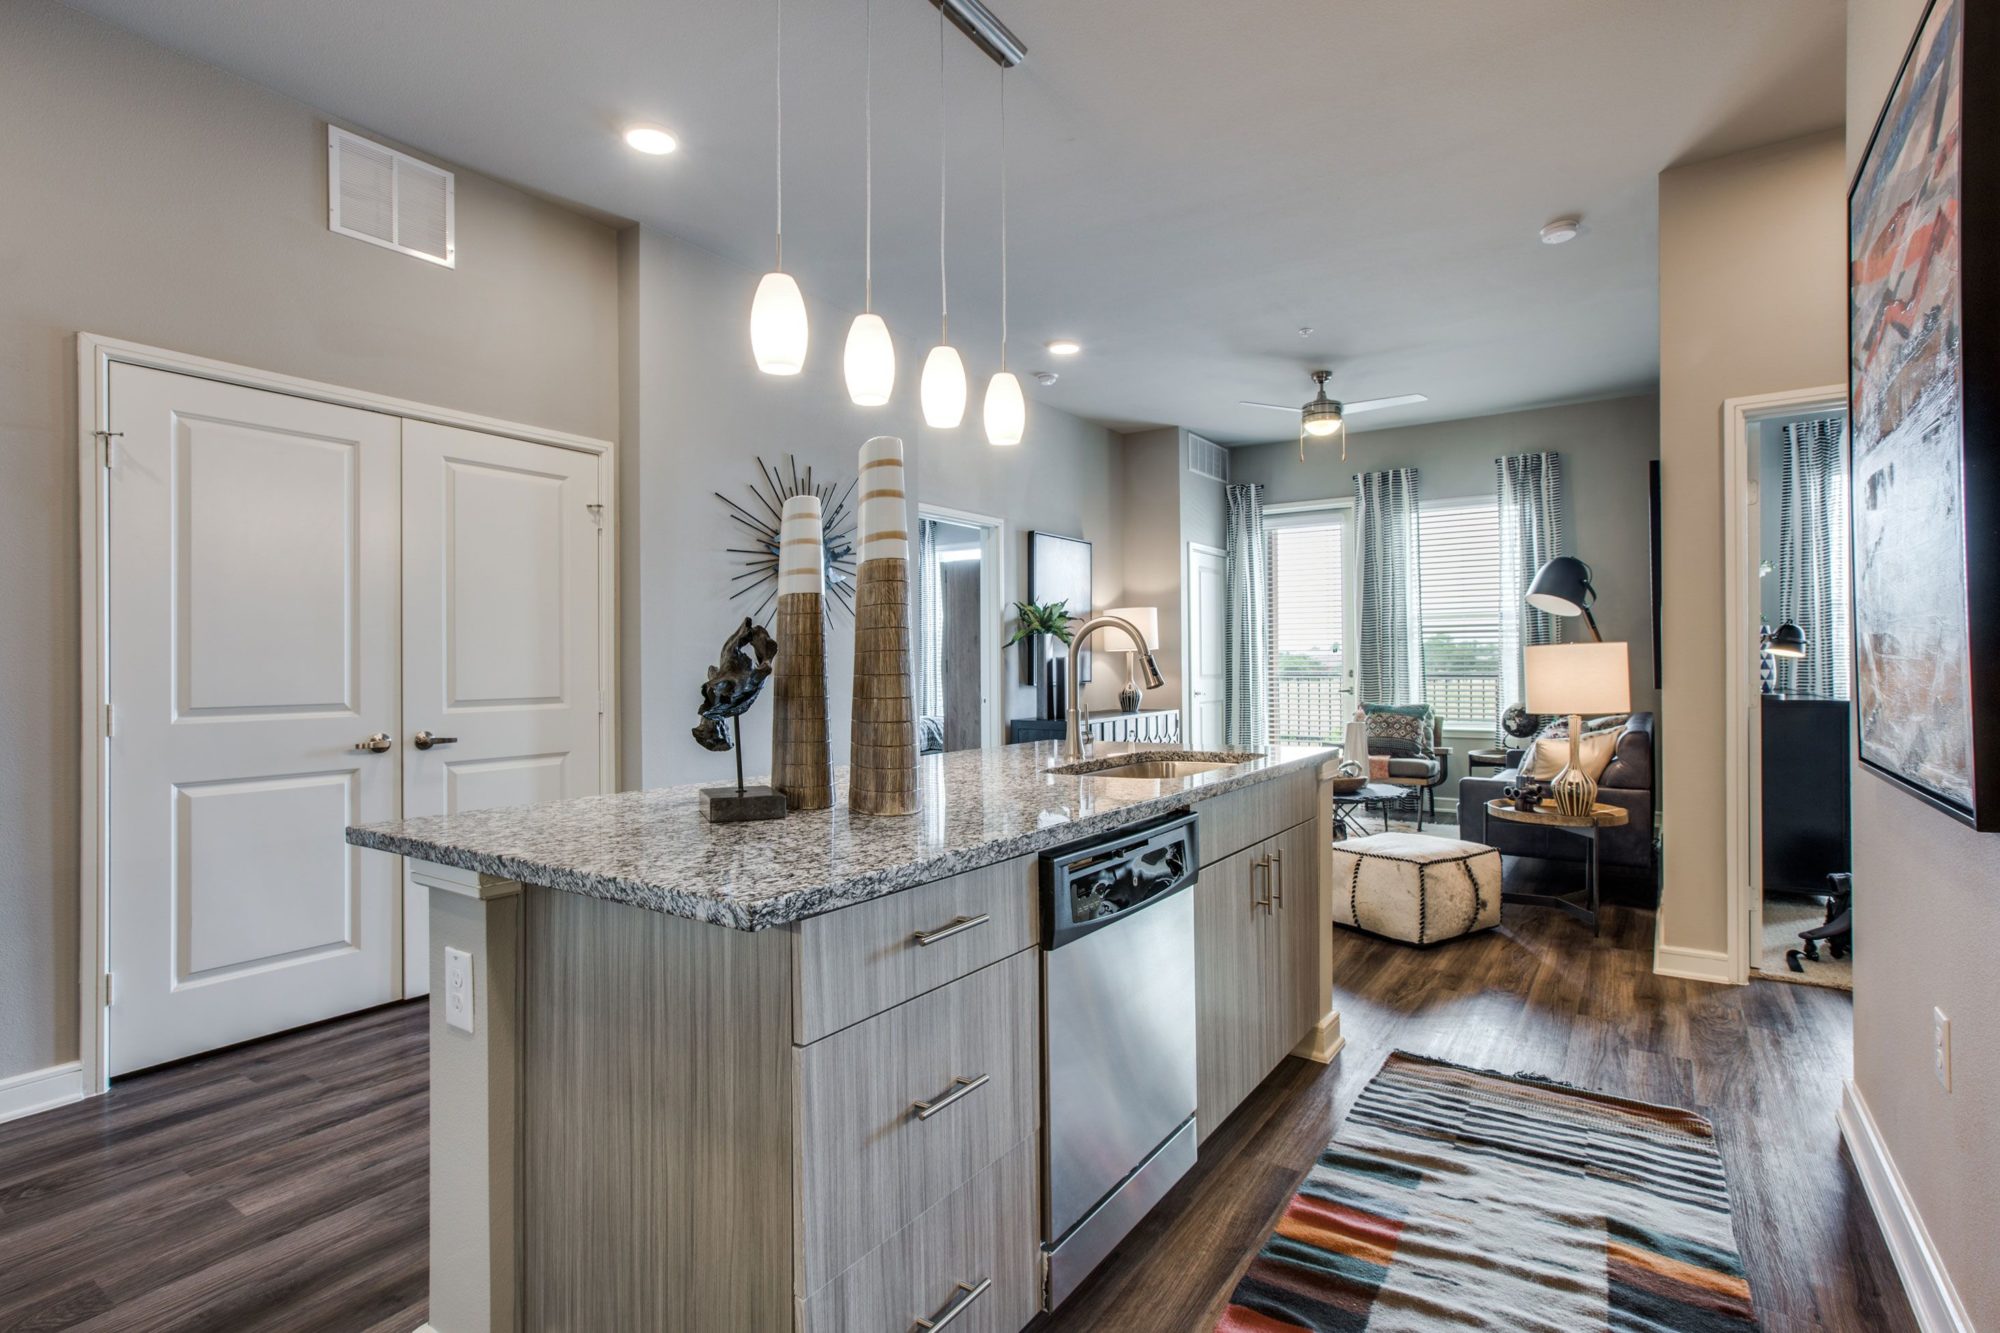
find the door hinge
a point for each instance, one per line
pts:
(110, 722)
(108, 440)
(107, 990)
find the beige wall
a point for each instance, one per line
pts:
(1752, 301)
(1606, 447)
(705, 412)
(152, 198)
(1927, 908)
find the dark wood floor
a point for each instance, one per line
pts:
(282, 1185)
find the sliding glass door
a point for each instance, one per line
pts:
(1313, 615)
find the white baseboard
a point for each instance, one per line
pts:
(1693, 964)
(1926, 1284)
(1323, 1042)
(40, 1090)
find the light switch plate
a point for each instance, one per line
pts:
(1941, 1048)
(458, 989)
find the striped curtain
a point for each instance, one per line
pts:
(1392, 632)
(930, 623)
(1531, 535)
(1245, 628)
(1812, 550)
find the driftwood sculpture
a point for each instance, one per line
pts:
(733, 685)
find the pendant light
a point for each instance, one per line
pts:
(870, 359)
(778, 312)
(1006, 410)
(942, 389)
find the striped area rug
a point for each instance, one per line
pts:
(1454, 1199)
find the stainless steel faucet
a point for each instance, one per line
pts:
(1073, 734)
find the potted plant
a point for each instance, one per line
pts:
(1047, 625)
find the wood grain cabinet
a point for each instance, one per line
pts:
(1257, 923)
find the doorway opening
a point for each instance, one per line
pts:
(1789, 653)
(958, 614)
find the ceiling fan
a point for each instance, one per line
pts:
(1322, 417)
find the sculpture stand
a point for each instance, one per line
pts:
(740, 804)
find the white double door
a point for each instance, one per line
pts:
(295, 590)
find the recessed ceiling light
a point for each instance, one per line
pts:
(1562, 230)
(651, 139)
(1065, 347)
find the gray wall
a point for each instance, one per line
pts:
(1927, 908)
(705, 411)
(1752, 300)
(1605, 448)
(1150, 480)
(153, 198)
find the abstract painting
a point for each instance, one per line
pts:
(1912, 618)
(1059, 571)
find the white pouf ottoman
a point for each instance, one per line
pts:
(1413, 887)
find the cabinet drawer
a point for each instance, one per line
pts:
(858, 961)
(868, 1161)
(980, 1239)
(1234, 820)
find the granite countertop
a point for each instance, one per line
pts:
(652, 848)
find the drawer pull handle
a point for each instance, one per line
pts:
(960, 1087)
(1278, 892)
(964, 1296)
(956, 926)
(1262, 863)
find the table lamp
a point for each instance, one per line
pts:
(1577, 678)
(1147, 620)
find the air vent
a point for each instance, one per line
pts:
(1206, 459)
(387, 198)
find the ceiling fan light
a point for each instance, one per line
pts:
(1006, 410)
(870, 361)
(1320, 419)
(942, 389)
(778, 325)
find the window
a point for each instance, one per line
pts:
(1307, 566)
(1459, 598)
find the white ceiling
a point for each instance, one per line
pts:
(1192, 181)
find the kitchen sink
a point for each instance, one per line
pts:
(1174, 764)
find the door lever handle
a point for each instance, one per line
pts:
(424, 740)
(375, 744)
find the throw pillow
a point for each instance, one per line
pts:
(1548, 755)
(1399, 729)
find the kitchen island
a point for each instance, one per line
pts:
(790, 1074)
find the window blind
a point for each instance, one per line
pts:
(1459, 592)
(1307, 569)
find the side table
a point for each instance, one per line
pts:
(1583, 905)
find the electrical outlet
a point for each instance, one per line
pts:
(458, 989)
(1941, 1048)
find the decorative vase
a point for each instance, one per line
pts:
(882, 771)
(1054, 686)
(1573, 790)
(801, 761)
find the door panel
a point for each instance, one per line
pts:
(1230, 1023)
(500, 632)
(1205, 648)
(252, 605)
(1296, 922)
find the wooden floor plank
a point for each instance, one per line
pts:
(281, 1186)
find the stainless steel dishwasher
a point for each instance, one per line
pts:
(1118, 1038)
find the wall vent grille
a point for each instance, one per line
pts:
(387, 198)
(1207, 459)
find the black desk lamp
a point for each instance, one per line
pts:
(1562, 588)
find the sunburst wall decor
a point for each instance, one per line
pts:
(774, 486)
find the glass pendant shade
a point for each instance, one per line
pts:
(943, 388)
(778, 325)
(870, 361)
(1322, 425)
(1006, 409)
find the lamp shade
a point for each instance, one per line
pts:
(778, 325)
(1006, 410)
(869, 361)
(1788, 640)
(942, 388)
(1578, 678)
(1562, 588)
(1116, 640)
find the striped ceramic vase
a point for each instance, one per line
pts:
(801, 765)
(882, 774)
